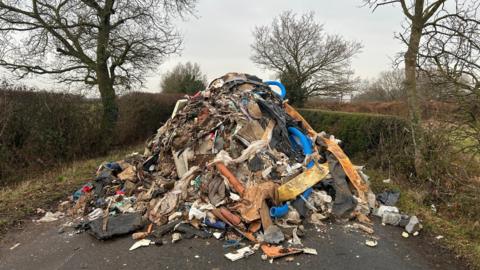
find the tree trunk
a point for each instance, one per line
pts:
(412, 95)
(105, 79)
(109, 102)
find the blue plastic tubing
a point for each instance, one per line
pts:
(279, 211)
(279, 84)
(306, 144)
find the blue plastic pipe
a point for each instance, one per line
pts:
(306, 144)
(283, 92)
(279, 211)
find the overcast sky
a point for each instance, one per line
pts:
(219, 38)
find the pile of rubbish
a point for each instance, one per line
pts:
(236, 162)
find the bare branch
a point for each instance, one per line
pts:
(305, 58)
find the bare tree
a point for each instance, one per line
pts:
(417, 13)
(451, 54)
(306, 59)
(102, 43)
(390, 86)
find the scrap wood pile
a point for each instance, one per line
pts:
(235, 161)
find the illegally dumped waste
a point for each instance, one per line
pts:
(50, 217)
(371, 243)
(14, 246)
(236, 162)
(388, 198)
(240, 253)
(391, 215)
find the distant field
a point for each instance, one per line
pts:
(430, 109)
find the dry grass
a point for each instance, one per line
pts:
(461, 233)
(42, 191)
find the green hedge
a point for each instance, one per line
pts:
(141, 114)
(380, 140)
(40, 129)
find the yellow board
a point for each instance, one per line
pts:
(302, 182)
(347, 165)
(349, 169)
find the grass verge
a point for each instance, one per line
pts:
(21, 201)
(461, 235)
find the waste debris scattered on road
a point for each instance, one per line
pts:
(141, 243)
(371, 243)
(14, 246)
(388, 198)
(237, 162)
(391, 215)
(240, 253)
(50, 217)
(362, 227)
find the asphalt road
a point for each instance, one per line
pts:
(43, 247)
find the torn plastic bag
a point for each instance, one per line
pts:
(103, 179)
(280, 140)
(322, 200)
(164, 229)
(113, 166)
(389, 198)
(347, 167)
(216, 190)
(382, 209)
(188, 231)
(344, 202)
(117, 225)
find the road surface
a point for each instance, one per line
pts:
(43, 247)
